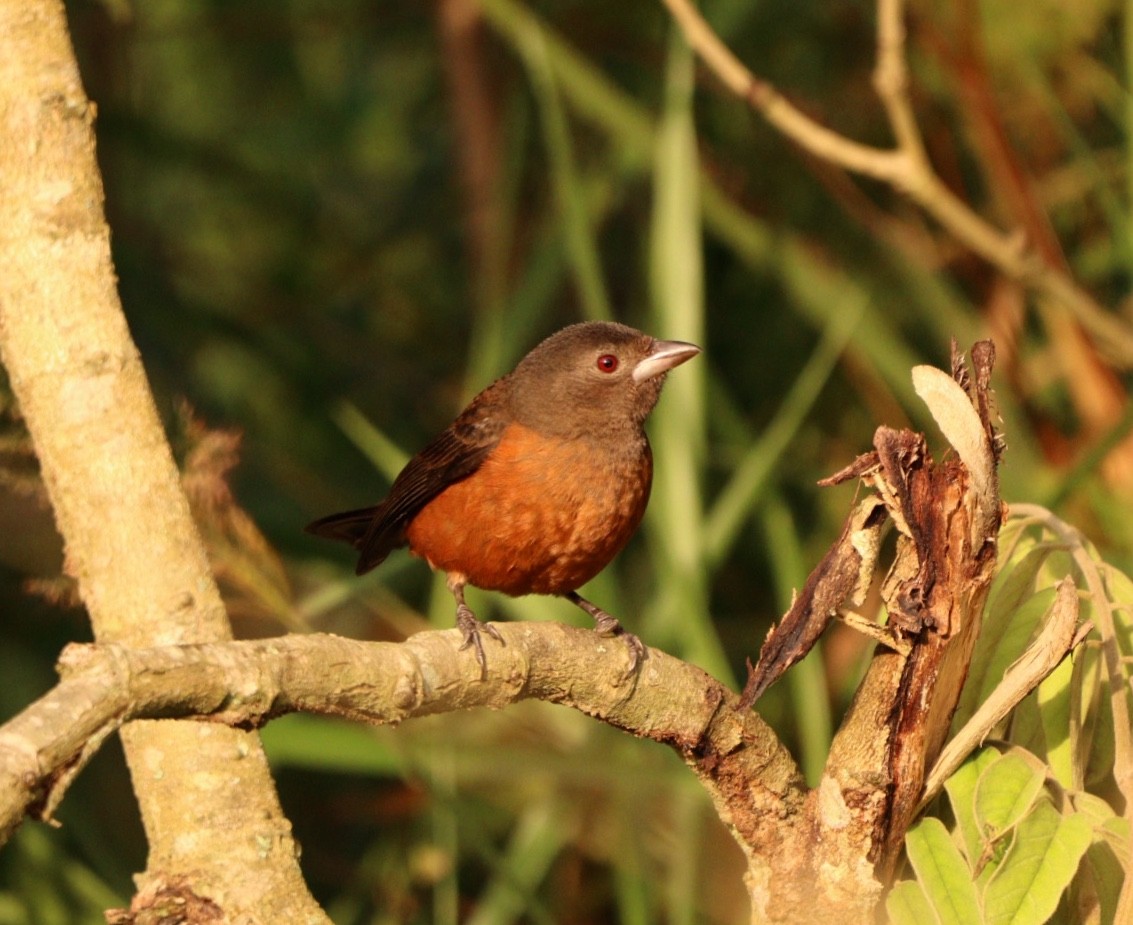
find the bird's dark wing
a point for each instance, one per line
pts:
(453, 455)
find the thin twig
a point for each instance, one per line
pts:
(906, 166)
(891, 78)
(763, 97)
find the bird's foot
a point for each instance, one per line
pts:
(470, 625)
(605, 625)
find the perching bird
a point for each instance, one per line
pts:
(538, 483)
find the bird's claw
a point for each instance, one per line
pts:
(605, 625)
(470, 625)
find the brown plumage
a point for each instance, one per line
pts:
(538, 483)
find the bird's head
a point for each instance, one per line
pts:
(593, 378)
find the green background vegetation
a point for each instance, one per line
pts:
(335, 221)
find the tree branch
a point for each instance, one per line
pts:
(905, 167)
(810, 135)
(947, 516)
(245, 684)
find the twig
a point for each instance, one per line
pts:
(905, 167)
(891, 78)
(141, 569)
(763, 97)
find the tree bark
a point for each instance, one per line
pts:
(206, 798)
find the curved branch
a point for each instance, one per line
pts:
(245, 684)
(810, 135)
(905, 167)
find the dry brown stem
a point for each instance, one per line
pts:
(1061, 634)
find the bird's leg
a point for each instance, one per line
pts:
(470, 625)
(605, 625)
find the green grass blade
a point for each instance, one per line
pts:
(536, 841)
(678, 428)
(335, 746)
(1054, 698)
(810, 698)
(570, 193)
(819, 292)
(386, 456)
(589, 91)
(745, 488)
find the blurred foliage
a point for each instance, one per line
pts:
(335, 221)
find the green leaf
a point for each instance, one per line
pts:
(386, 456)
(570, 190)
(1006, 792)
(1040, 865)
(1054, 712)
(539, 835)
(1003, 638)
(1108, 826)
(1119, 588)
(1103, 876)
(908, 905)
(1094, 742)
(1094, 808)
(1016, 579)
(961, 789)
(942, 873)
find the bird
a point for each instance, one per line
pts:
(537, 485)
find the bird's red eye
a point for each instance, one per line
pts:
(607, 362)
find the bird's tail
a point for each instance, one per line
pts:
(348, 527)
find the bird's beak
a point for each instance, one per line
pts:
(663, 356)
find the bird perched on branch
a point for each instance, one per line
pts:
(538, 483)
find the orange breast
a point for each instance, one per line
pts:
(540, 516)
